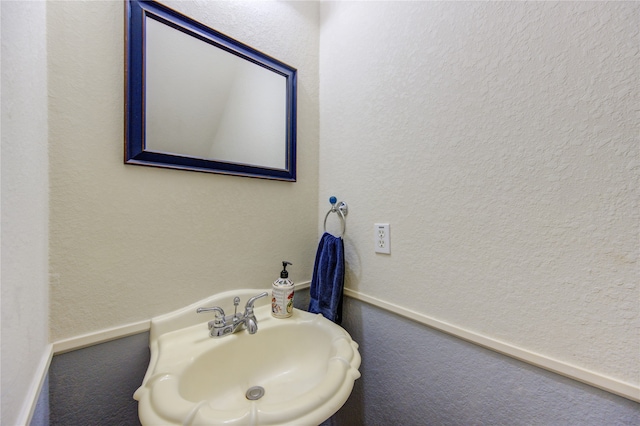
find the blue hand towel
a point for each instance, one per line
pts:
(328, 279)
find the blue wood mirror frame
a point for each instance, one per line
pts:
(143, 111)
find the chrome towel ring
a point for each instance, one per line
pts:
(341, 209)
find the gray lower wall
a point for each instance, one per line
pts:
(414, 375)
(95, 385)
(411, 375)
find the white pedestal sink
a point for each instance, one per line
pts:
(306, 366)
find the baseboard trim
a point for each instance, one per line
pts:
(100, 336)
(600, 381)
(33, 393)
(303, 285)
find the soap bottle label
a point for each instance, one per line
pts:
(282, 301)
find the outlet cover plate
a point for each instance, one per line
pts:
(382, 238)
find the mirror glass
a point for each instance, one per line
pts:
(199, 100)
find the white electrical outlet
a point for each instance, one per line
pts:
(382, 240)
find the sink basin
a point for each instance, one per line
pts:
(292, 371)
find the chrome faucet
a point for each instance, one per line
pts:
(223, 325)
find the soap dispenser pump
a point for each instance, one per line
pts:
(282, 294)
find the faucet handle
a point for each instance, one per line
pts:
(219, 320)
(248, 309)
(250, 321)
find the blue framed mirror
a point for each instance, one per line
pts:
(199, 100)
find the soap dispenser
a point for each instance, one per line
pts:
(282, 294)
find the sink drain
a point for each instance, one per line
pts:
(255, 392)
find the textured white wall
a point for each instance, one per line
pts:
(131, 242)
(500, 140)
(25, 212)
